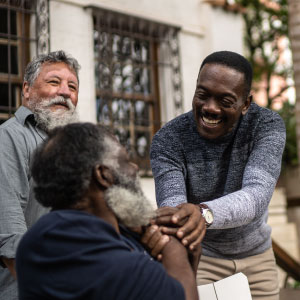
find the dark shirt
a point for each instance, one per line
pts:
(69, 254)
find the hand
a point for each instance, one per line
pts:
(193, 231)
(155, 241)
(164, 218)
(191, 224)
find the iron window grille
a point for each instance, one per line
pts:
(130, 55)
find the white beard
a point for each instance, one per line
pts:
(128, 202)
(47, 119)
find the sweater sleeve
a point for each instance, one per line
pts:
(169, 170)
(259, 179)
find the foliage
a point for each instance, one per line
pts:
(290, 157)
(266, 24)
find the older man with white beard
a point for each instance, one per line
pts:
(83, 248)
(49, 98)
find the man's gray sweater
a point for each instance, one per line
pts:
(234, 175)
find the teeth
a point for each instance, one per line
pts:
(208, 121)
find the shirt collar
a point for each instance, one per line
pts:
(22, 114)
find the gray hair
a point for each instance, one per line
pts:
(34, 67)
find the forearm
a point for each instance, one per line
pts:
(194, 259)
(245, 205)
(10, 264)
(178, 266)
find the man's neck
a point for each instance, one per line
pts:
(95, 204)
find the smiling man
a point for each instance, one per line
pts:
(49, 98)
(222, 158)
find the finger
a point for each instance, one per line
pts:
(194, 236)
(154, 239)
(184, 210)
(197, 242)
(166, 211)
(149, 232)
(160, 244)
(167, 220)
(163, 220)
(159, 257)
(169, 230)
(192, 223)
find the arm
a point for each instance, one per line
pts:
(176, 262)
(155, 241)
(169, 174)
(259, 178)
(13, 170)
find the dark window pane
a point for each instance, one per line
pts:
(3, 21)
(13, 22)
(3, 59)
(3, 94)
(14, 59)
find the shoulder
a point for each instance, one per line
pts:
(261, 120)
(177, 125)
(14, 140)
(71, 222)
(13, 129)
(263, 115)
(176, 132)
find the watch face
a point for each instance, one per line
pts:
(209, 217)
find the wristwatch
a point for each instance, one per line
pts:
(207, 214)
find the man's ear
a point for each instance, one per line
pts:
(25, 91)
(103, 175)
(247, 105)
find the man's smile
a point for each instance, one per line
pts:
(211, 122)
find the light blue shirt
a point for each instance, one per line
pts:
(19, 137)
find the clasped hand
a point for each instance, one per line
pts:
(184, 222)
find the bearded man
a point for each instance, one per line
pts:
(83, 248)
(49, 98)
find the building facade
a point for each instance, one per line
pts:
(139, 58)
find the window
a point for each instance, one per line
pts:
(18, 44)
(128, 67)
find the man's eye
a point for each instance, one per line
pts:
(202, 96)
(53, 82)
(226, 102)
(73, 87)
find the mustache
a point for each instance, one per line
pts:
(59, 100)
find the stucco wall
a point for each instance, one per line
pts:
(203, 29)
(71, 29)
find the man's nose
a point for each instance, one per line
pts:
(211, 106)
(64, 90)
